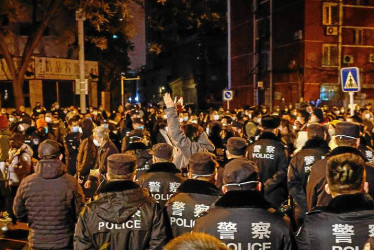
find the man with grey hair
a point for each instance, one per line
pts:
(106, 148)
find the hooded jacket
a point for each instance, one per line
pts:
(51, 201)
(143, 157)
(347, 222)
(246, 219)
(122, 216)
(180, 140)
(193, 198)
(162, 181)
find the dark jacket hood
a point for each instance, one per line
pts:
(50, 169)
(269, 136)
(349, 203)
(316, 143)
(198, 187)
(117, 201)
(168, 167)
(136, 145)
(243, 199)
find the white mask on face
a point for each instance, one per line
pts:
(367, 116)
(166, 129)
(48, 119)
(185, 118)
(216, 117)
(298, 119)
(165, 117)
(96, 142)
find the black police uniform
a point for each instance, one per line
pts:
(193, 198)
(71, 144)
(268, 153)
(346, 223)
(162, 180)
(299, 170)
(315, 189)
(245, 220)
(143, 157)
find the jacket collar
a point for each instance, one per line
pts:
(117, 186)
(269, 136)
(136, 145)
(168, 167)
(316, 143)
(350, 203)
(343, 150)
(243, 199)
(50, 169)
(198, 187)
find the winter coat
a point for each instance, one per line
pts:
(71, 145)
(315, 189)
(122, 216)
(51, 201)
(162, 180)
(143, 157)
(86, 157)
(101, 159)
(300, 167)
(268, 153)
(193, 198)
(180, 140)
(347, 222)
(245, 220)
(4, 144)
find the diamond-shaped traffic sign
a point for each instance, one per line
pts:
(350, 78)
(227, 95)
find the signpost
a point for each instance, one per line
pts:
(350, 78)
(228, 95)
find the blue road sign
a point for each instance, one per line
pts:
(350, 78)
(227, 95)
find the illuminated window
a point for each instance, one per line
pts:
(330, 13)
(329, 92)
(329, 55)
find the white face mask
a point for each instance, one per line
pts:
(48, 119)
(207, 130)
(298, 119)
(185, 118)
(367, 116)
(12, 119)
(165, 117)
(216, 117)
(21, 128)
(96, 142)
(166, 129)
(337, 112)
(80, 130)
(180, 119)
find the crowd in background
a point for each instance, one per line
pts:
(138, 176)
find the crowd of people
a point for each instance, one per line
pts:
(169, 176)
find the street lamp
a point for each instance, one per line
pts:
(124, 78)
(80, 17)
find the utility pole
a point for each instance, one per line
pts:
(80, 17)
(228, 44)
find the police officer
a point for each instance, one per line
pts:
(163, 177)
(236, 147)
(269, 153)
(242, 218)
(122, 215)
(300, 165)
(71, 144)
(195, 195)
(138, 147)
(347, 138)
(347, 222)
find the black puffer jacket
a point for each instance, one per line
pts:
(51, 201)
(122, 216)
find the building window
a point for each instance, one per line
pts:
(329, 92)
(330, 13)
(358, 36)
(329, 55)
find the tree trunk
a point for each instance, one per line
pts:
(17, 91)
